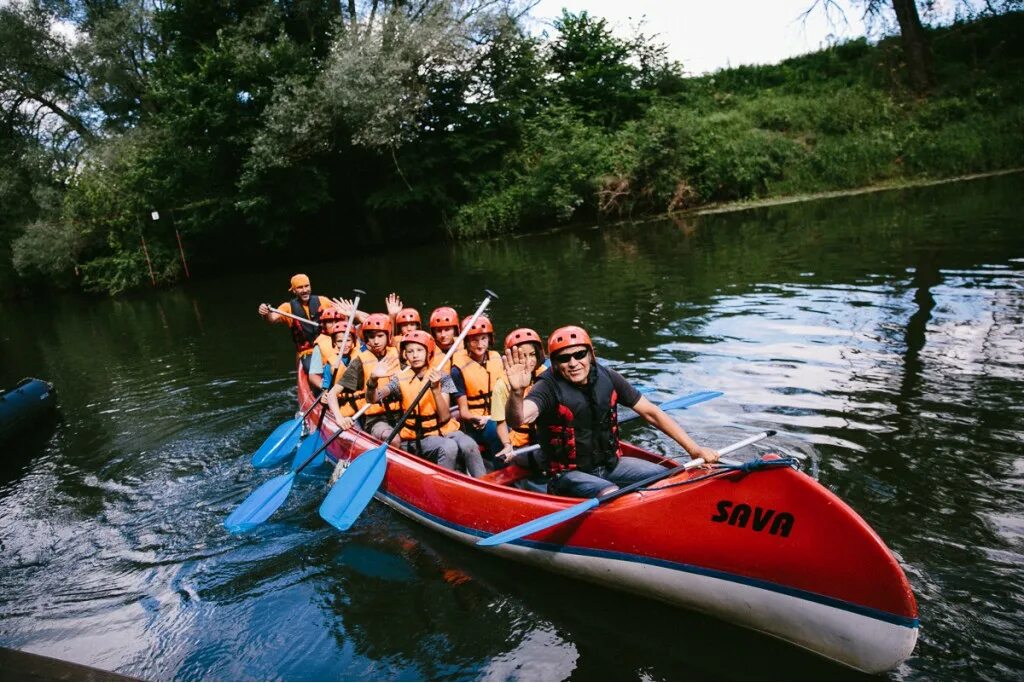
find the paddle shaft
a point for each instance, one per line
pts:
(348, 328)
(685, 466)
(294, 317)
(333, 436)
(311, 406)
(344, 340)
(564, 515)
(447, 357)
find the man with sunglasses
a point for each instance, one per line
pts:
(574, 407)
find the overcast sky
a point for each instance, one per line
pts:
(706, 35)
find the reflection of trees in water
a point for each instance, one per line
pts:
(424, 606)
(941, 469)
(28, 444)
(119, 367)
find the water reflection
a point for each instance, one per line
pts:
(882, 334)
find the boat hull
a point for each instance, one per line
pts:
(872, 644)
(771, 551)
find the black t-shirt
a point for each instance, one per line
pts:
(543, 393)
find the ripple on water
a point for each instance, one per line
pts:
(112, 551)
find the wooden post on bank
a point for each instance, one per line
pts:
(181, 248)
(145, 251)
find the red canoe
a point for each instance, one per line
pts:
(771, 550)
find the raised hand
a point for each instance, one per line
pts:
(388, 366)
(344, 305)
(515, 369)
(264, 310)
(394, 304)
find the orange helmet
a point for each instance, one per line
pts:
(524, 335)
(418, 337)
(376, 322)
(331, 314)
(482, 325)
(408, 315)
(570, 335)
(445, 316)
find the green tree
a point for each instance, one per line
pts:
(606, 78)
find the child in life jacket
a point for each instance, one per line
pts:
(361, 379)
(444, 326)
(328, 360)
(429, 431)
(476, 371)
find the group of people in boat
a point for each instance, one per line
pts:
(503, 402)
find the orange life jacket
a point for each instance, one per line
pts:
(480, 380)
(422, 422)
(348, 401)
(328, 353)
(446, 369)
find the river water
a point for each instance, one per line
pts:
(882, 335)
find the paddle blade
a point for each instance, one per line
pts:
(347, 498)
(260, 504)
(278, 445)
(690, 400)
(309, 446)
(539, 524)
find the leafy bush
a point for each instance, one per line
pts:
(554, 174)
(127, 269)
(708, 158)
(979, 143)
(47, 249)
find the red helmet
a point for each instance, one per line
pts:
(482, 325)
(524, 335)
(445, 316)
(408, 315)
(331, 315)
(570, 335)
(418, 337)
(375, 322)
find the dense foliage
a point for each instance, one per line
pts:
(260, 130)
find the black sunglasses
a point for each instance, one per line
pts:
(564, 358)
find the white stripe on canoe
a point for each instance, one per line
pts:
(855, 640)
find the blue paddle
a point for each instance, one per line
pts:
(314, 440)
(265, 500)
(682, 402)
(568, 513)
(281, 442)
(353, 491)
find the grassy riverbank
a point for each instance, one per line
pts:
(828, 121)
